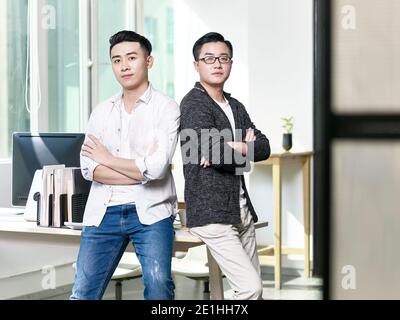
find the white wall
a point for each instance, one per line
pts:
(281, 82)
(272, 75)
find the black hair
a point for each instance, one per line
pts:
(210, 37)
(131, 36)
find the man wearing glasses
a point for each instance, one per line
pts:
(217, 132)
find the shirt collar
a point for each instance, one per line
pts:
(198, 86)
(145, 97)
(116, 100)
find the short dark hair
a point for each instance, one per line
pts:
(131, 36)
(210, 37)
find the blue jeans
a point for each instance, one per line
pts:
(101, 249)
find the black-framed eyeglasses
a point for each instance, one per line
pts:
(212, 59)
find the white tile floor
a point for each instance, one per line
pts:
(293, 288)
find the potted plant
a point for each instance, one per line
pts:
(287, 135)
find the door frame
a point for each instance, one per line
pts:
(328, 127)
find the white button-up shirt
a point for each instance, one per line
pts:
(155, 123)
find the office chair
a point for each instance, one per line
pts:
(128, 268)
(194, 266)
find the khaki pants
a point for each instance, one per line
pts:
(234, 249)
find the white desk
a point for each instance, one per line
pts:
(14, 229)
(22, 235)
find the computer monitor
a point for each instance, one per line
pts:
(32, 151)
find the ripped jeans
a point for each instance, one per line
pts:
(101, 249)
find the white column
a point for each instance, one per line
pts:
(85, 61)
(138, 23)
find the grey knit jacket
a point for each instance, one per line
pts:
(212, 193)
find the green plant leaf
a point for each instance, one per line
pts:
(287, 124)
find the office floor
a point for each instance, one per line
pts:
(294, 288)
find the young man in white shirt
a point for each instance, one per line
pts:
(130, 142)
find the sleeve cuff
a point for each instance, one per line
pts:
(140, 163)
(87, 167)
(92, 166)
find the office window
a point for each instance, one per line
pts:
(121, 12)
(159, 29)
(63, 68)
(169, 29)
(150, 25)
(57, 65)
(14, 115)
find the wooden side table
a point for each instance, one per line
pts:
(276, 160)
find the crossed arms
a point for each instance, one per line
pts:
(110, 170)
(100, 165)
